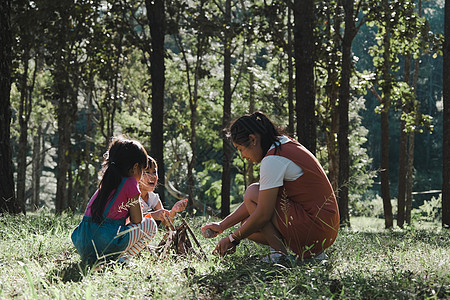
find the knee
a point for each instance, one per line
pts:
(150, 223)
(251, 193)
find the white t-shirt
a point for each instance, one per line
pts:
(153, 200)
(276, 169)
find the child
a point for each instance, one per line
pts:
(150, 202)
(103, 234)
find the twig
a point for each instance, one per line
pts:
(195, 239)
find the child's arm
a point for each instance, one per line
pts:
(134, 208)
(159, 214)
(178, 207)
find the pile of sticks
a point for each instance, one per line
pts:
(177, 240)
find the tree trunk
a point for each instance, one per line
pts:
(249, 178)
(414, 107)
(409, 177)
(403, 152)
(61, 88)
(36, 167)
(23, 117)
(386, 87)
(446, 125)
(87, 150)
(401, 195)
(156, 20)
(227, 149)
(8, 201)
(193, 138)
(331, 121)
(290, 66)
(304, 73)
(344, 99)
(446, 133)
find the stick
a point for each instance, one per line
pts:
(195, 239)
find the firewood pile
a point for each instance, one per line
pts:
(176, 242)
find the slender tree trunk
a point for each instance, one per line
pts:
(414, 107)
(226, 119)
(409, 177)
(344, 99)
(156, 20)
(87, 149)
(193, 143)
(331, 122)
(23, 130)
(248, 172)
(36, 168)
(446, 117)
(291, 82)
(403, 152)
(193, 138)
(304, 70)
(64, 112)
(8, 201)
(386, 87)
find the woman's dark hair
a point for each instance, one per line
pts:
(256, 123)
(118, 161)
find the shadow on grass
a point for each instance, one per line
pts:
(250, 278)
(68, 272)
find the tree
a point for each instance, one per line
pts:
(156, 21)
(304, 73)
(446, 125)
(8, 201)
(344, 98)
(26, 31)
(227, 149)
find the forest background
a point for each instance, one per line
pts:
(85, 71)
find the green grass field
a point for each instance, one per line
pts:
(38, 261)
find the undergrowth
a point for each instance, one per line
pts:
(38, 261)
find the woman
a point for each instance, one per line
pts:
(292, 207)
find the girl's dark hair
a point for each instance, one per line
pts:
(151, 162)
(118, 161)
(256, 123)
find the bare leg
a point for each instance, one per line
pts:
(269, 235)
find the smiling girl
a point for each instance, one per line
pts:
(150, 202)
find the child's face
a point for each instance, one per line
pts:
(149, 179)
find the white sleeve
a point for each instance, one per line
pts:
(153, 200)
(276, 169)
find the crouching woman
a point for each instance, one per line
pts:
(292, 207)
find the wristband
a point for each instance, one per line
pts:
(233, 240)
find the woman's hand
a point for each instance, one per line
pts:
(211, 230)
(179, 206)
(224, 246)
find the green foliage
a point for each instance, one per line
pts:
(103, 49)
(370, 205)
(430, 210)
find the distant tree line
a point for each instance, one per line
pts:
(346, 78)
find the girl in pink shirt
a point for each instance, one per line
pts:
(103, 233)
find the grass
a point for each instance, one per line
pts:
(38, 261)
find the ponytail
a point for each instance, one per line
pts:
(256, 123)
(118, 161)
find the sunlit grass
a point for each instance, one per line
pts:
(38, 261)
